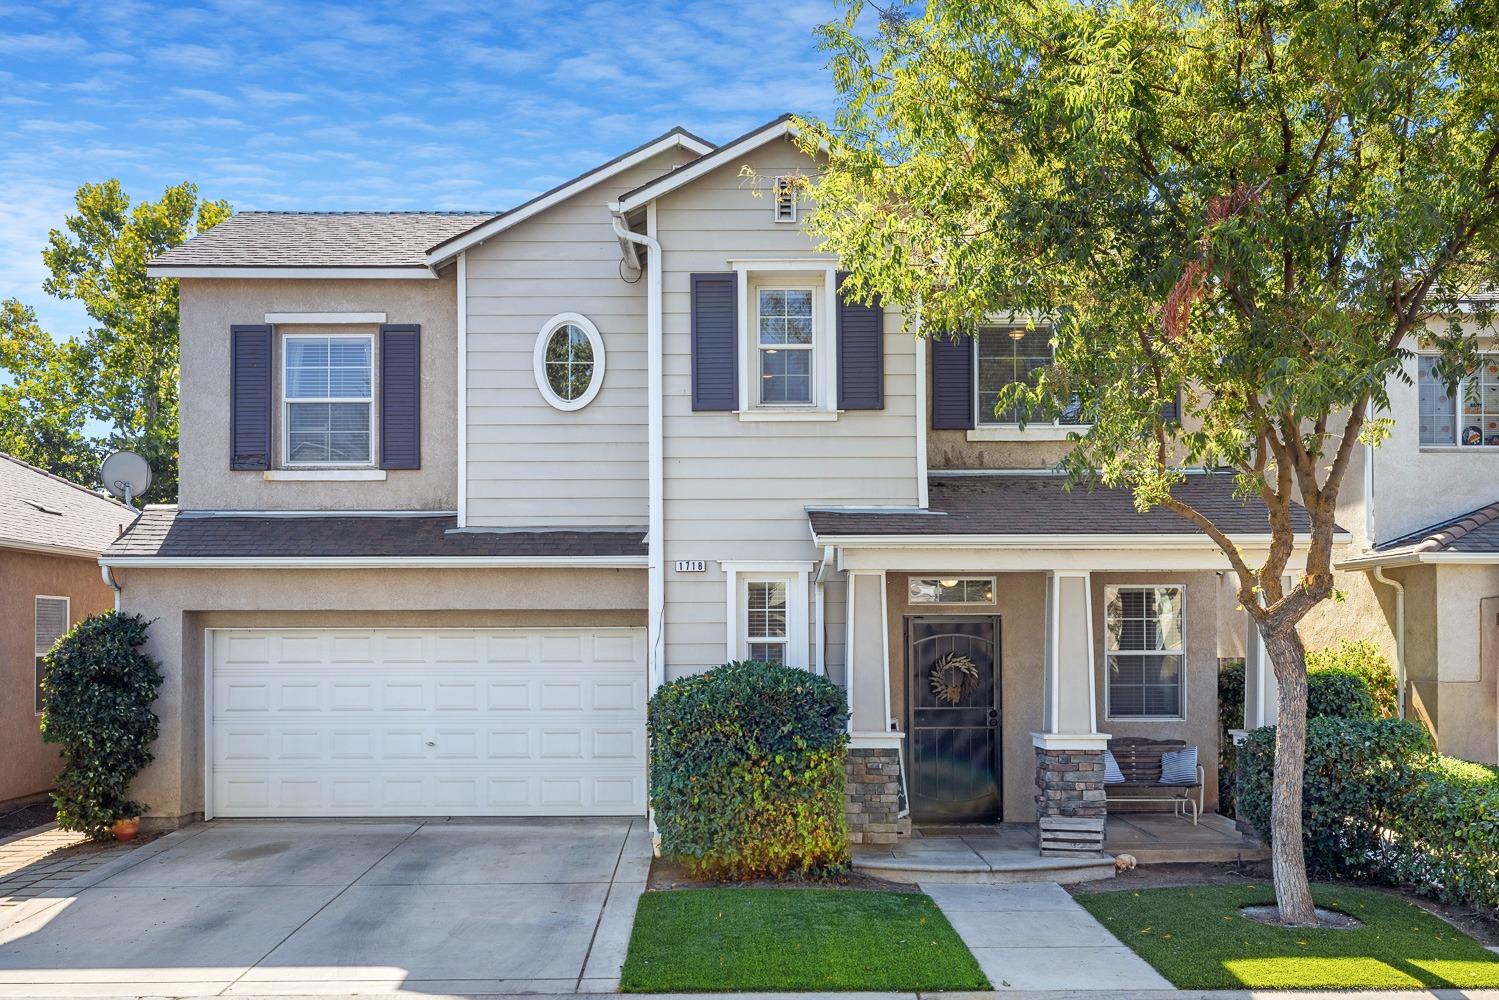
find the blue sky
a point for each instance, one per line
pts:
(437, 104)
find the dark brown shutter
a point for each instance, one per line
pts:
(250, 397)
(861, 354)
(952, 382)
(715, 341)
(400, 396)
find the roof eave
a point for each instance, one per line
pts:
(41, 548)
(371, 562)
(675, 139)
(1054, 541)
(1395, 560)
(415, 272)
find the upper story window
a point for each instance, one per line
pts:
(1467, 418)
(1144, 644)
(569, 361)
(328, 399)
(786, 320)
(1007, 355)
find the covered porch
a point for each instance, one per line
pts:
(997, 642)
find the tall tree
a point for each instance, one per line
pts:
(121, 373)
(1258, 204)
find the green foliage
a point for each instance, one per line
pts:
(747, 771)
(97, 689)
(1360, 657)
(123, 372)
(1380, 804)
(1230, 717)
(1339, 694)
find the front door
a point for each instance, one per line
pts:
(952, 671)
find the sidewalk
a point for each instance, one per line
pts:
(33, 861)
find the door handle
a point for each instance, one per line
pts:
(993, 720)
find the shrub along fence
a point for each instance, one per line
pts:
(1381, 805)
(747, 775)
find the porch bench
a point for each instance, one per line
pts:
(1139, 760)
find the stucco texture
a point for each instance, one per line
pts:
(211, 306)
(185, 602)
(1020, 604)
(27, 765)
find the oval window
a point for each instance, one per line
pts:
(569, 361)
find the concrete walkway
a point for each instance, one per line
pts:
(340, 907)
(36, 860)
(1036, 937)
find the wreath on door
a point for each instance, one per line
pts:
(954, 677)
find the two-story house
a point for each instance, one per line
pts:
(459, 491)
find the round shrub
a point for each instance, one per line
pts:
(1359, 772)
(1339, 694)
(1447, 834)
(1360, 657)
(97, 692)
(747, 771)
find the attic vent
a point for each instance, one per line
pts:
(785, 207)
(44, 510)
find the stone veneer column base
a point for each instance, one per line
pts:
(872, 795)
(1070, 807)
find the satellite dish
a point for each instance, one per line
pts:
(126, 475)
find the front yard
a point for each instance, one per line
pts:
(1196, 937)
(721, 940)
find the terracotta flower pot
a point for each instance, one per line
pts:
(126, 829)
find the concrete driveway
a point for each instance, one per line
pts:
(289, 907)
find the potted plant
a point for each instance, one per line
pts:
(128, 823)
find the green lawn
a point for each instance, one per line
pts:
(1197, 939)
(718, 940)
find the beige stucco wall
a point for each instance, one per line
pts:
(27, 765)
(1467, 687)
(185, 602)
(211, 306)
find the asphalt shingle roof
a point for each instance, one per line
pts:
(1041, 504)
(166, 533)
(321, 239)
(1476, 531)
(40, 509)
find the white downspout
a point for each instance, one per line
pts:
(1399, 589)
(109, 578)
(655, 541)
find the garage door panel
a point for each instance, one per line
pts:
(412, 722)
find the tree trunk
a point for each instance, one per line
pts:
(1293, 893)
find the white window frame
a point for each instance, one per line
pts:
(1181, 682)
(738, 575)
(67, 624)
(1457, 409)
(960, 578)
(286, 402)
(1053, 430)
(538, 361)
(796, 273)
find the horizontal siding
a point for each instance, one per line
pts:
(738, 490)
(530, 465)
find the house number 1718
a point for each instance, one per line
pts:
(692, 566)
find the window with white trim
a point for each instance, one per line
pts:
(569, 361)
(1009, 354)
(328, 399)
(51, 624)
(1144, 651)
(1466, 418)
(766, 636)
(786, 337)
(952, 590)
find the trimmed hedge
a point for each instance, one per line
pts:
(1337, 693)
(747, 774)
(1363, 658)
(1380, 804)
(97, 692)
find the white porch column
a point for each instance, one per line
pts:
(1070, 808)
(873, 764)
(1261, 692)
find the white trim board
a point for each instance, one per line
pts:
(673, 140)
(374, 562)
(415, 273)
(316, 318)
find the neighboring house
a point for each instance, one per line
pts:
(51, 534)
(458, 491)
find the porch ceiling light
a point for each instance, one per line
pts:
(948, 583)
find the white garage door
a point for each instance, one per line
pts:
(417, 722)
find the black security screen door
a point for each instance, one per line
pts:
(953, 729)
